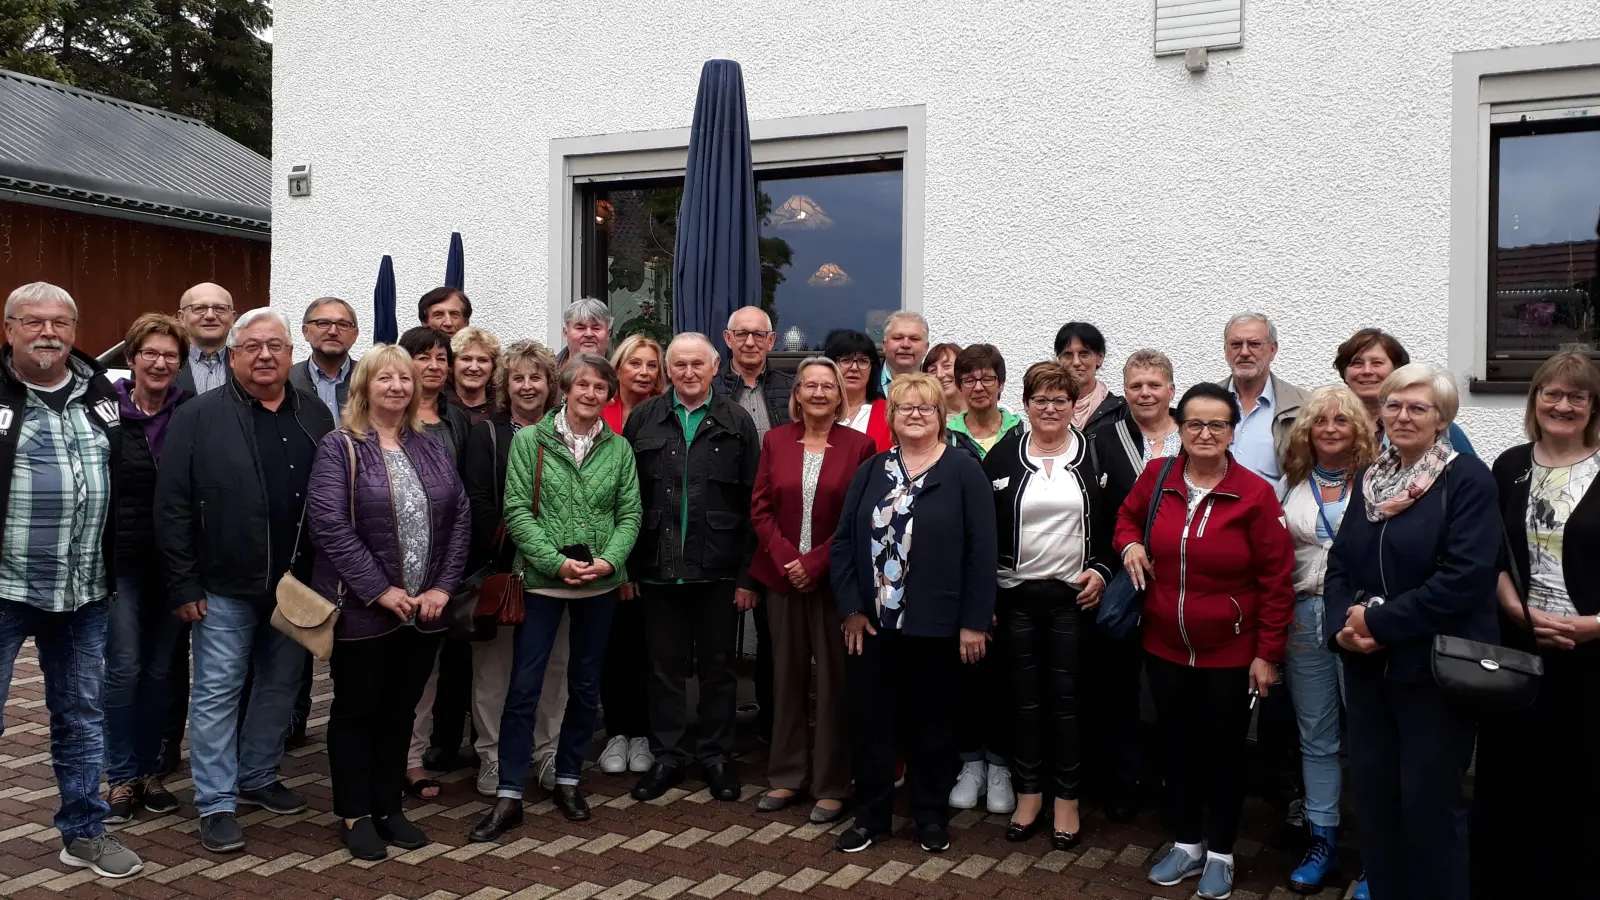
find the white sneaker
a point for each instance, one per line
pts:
(614, 760)
(547, 772)
(640, 759)
(489, 777)
(1002, 800)
(969, 784)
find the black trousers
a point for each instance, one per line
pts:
(763, 675)
(1039, 626)
(625, 673)
(376, 685)
(1203, 716)
(691, 627)
(178, 711)
(452, 699)
(899, 691)
(982, 726)
(1530, 838)
(1110, 722)
(1409, 752)
(302, 703)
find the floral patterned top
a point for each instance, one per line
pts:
(1552, 496)
(411, 515)
(892, 522)
(810, 471)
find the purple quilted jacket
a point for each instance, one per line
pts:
(364, 556)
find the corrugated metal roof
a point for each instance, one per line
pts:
(64, 142)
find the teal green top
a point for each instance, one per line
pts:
(1008, 421)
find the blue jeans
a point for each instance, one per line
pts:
(72, 649)
(225, 758)
(589, 632)
(140, 642)
(1316, 684)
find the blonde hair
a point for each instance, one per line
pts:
(357, 413)
(468, 336)
(1153, 360)
(927, 386)
(1299, 457)
(1446, 399)
(629, 346)
(530, 353)
(795, 414)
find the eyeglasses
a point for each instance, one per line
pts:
(254, 348)
(1193, 427)
(325, 324)
(855, 362)
(1554, 395)
(1254, 346)
(1414, 410)
(1085, 355)
(826, 387)
(1059, 404)
(743, 335)
(215, 309)
(920, 409)
(34, 325)
(975, 380)
(151, 356)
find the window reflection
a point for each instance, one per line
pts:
(1545, 238)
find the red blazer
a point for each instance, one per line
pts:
(775, 507)
(1223, 591)
(878, 425)
(612, 413)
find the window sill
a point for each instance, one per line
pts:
(1505, 388)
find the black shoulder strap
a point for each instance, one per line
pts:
(1155, 501)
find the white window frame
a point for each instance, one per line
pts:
(896, 132)
(1486, 82)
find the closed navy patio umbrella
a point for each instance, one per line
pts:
(385, 328)
(455, 266)
(716, 268)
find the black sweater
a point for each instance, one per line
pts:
(1513, 475)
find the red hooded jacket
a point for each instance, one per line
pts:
(1223, 591)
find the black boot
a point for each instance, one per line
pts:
(723, 783)
(570, 801)
(506, 815)
(660, 779)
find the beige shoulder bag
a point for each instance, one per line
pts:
(301, 613)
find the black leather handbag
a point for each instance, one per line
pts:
(1489, 678)
(1122, 605)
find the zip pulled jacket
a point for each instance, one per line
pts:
(1223, 591)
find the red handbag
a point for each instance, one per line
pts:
(500, 596)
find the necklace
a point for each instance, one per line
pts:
(1041, 450)
(1197, 488)
(915, 469)
(1327, 479)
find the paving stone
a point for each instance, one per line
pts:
(469, 851)
(933, 869)
(846, 878)
(583, 890)
(17, 831)
(274, 866)
(1056, 860)
(326, 861)
(603, 843)
(190, 867)
(1096, 858)
(810, 831)
(974, 866)
(670, 888)
(516, 848)
(771, 833)
(23, 882)
(233, 866)
(645, 841)
(1016, 864)
(759, 883)
(730, 836)
(622, 891)
(672, 795)
(561, 845)
(462, 812)
(1134, 855)
(81, 876)
(622, 802)
(687, 839)
(803, 880)
(532, 892)
(715, 886)
(486, 893)
(890, 872)
(423, 854)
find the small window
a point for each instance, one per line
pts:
(830, 242)
(1544, 236)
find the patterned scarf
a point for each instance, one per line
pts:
(1391, 487)
(1087, 404)
(579, 444)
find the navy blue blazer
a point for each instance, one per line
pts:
(950, 582)
(1436, 569)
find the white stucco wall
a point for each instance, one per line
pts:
(1069, 173)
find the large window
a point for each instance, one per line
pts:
(1544, 237)
(830, 248)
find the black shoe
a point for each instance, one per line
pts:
(570, 801)
(855, 840)
(934, 838)
(220, 833)
(156, 798)
(1123, 804)
(296, 740)
(723, 783)
(398, 830)
(1018, 833)
(660, 779)
(274, 798)
(122, 799)
(438, 759)
(1064, 840)
(506, 815)
(363, 841)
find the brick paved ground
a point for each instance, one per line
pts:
(683, 846)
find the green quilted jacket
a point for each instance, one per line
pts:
(595, 504)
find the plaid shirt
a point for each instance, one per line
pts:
(50, 557)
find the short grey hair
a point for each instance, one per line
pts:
(741, 309)
(595, 363)
(324, 301)
(1446, 397)
(39, 292)
(899, 314)
(692, 337)
(253, 316)
(587, 310)
(1241, 318)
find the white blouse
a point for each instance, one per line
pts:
(1050, 534)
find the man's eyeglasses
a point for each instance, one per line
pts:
(254, 348)
(920, 409)
(151, 356)
(749, 334)
(1254, 346)
(975, 380)
(1059, 404)
(1414, 410)
(855, 362)
(215, 309)
(1195, 426)
(1553, 395)
(325, 324)
(33, 325)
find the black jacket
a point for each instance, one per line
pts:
(185, 378)
(456, 423)
(212, 516)
(1117, 442)
(1009, 470)
(483, 474)
(776, 385)
(1580, 568)
(950, 580)
(102, 402)
(1110, 410)
(137, 553)
(300, 380)
(717, 478)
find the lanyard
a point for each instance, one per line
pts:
(1322, 511)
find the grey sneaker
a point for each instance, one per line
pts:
(614, 759)
(104, 854)
(220, 833)
(274, 798)
(489, 777)
(640, 759)
(547, 772)
(1217, 882)
(1175, 867)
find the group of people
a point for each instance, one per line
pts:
(519, 539)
